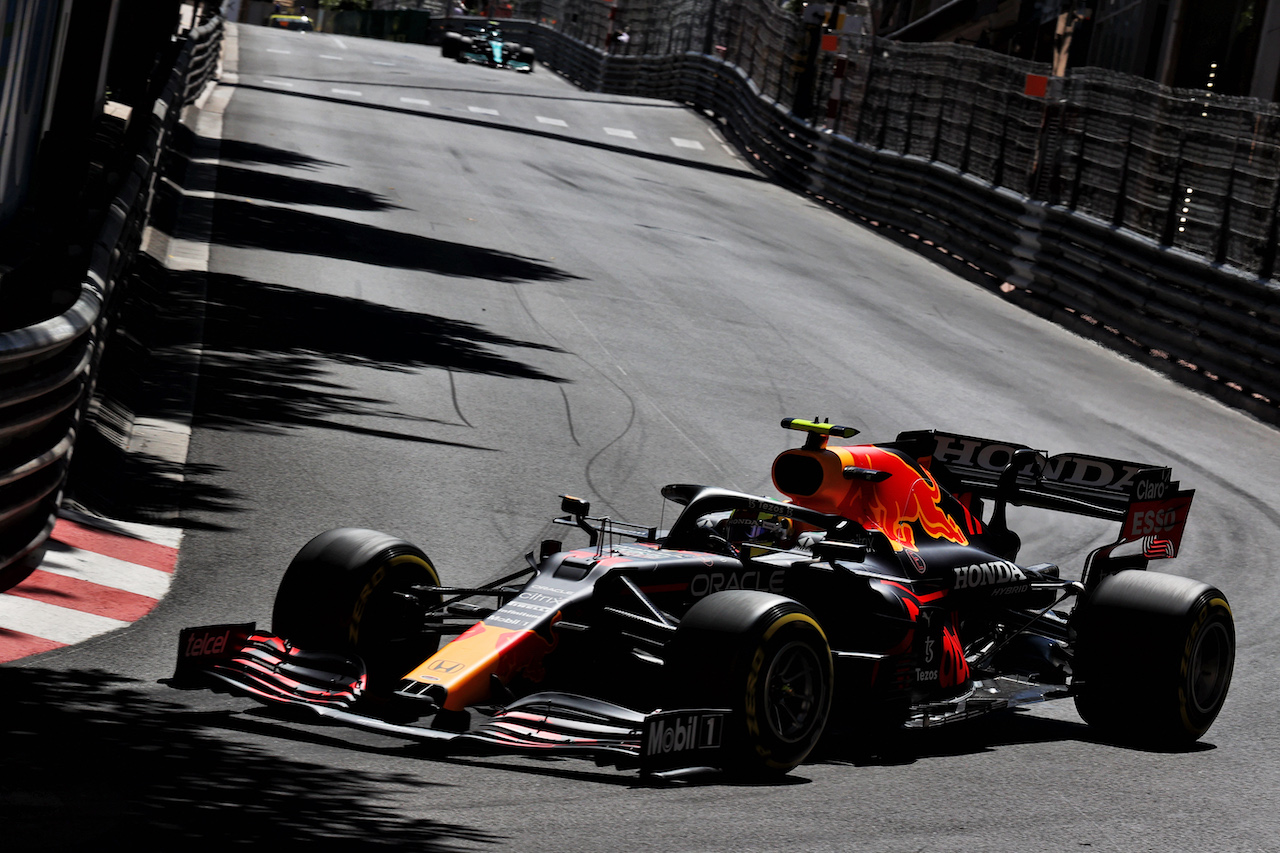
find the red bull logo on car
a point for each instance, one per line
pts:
(887, 492)
(909, 496)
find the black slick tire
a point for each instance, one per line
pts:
(1154, 656)
(351, 590)
(766, 659)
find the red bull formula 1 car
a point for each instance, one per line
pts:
(886, 591)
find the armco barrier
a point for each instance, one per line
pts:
(47, 370)
(1209, 326)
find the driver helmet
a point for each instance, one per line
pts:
(759, 528)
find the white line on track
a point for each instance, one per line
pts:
(352, 92)
(553, 121)
(687, 143)
(330, 56)
(278, 50)
(384, 64)
(616, 131)
(269, 82)
(485, 111)
(422, 102)
(340, 44)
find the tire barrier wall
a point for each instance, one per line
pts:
(47, 370)
(1209, 325)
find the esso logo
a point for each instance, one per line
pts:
(1154, 521)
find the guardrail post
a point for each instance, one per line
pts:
(1268, 265)
(1117, 216)
(1171, 221)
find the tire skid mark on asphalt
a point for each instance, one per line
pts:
(94, 577)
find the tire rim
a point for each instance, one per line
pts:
(795, 690)
(1210, 667)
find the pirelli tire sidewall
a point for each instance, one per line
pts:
(1154, 657)
(766, 659)
(346, 591)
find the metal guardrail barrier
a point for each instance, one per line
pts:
(47, 370)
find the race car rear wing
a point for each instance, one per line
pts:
(1145, 498)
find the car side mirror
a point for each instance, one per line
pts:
(574, 506)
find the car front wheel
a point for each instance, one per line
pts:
(766, 659)
(354, 590)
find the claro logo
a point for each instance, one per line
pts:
(705, 584)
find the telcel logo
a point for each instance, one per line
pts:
(200, 645)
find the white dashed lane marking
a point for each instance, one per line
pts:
(618, 132)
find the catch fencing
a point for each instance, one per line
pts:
(48, 369)
(1142, 216)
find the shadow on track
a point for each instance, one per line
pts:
(246, 225)
(263, 355)
(92, 760)
(272, 186)
(236, 151)
(971, 737)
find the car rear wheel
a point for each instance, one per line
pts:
(354, 590)
(766, 659)
(1154, 656)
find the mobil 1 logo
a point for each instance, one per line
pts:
(681, 738)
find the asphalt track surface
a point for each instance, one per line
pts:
(441, 295)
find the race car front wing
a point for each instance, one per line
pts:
(237, 658)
